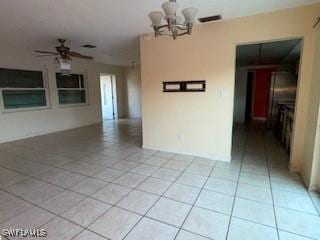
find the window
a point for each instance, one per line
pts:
(22, 89)
(71, 89)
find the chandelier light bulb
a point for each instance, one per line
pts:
(156, 18)
(190, 14)
(170, 8)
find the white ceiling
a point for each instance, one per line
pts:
(114, 26)
(278, 52)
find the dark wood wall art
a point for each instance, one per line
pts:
(184, 86)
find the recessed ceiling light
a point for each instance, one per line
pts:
(210, 18)
(89, 46)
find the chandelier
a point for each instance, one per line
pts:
(176, 25)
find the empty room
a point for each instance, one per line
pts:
(176, 120)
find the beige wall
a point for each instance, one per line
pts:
(201, 123)
(311, 168)
(30, 123)
(122, 92)
(133, 81)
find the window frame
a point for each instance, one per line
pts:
(46, 89)
(84, 88)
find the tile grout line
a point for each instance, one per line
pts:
(58, 215)
(87, 176)
(106, 183)
(145, 215)
(111, 205)
(271, 189)
(85, 197)
(191, 162)
(314, 204)
(274, 205)
(98, 165)
(115, 204)
(75, 148)
(61, 155)
(194, 202)
(111, 167)
(88, 196)
(145, 179)
(47, 210)
(235, 194)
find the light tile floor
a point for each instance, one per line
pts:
(96, 183)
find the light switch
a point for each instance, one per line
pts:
(223, 92)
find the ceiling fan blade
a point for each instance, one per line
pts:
(78, 55)
(46, 55)
(47, 52)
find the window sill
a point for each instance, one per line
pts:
(17, 110)
(73, 105)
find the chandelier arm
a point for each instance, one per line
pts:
(178, 26)
(161, 31)
(179, 33)
(162, 26)
(183, 33)
(171, 35)
(166, 34)
(181, 27)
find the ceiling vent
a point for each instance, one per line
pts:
(210, 19)
(89, 46)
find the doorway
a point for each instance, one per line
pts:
(108, 97)
(266, 87)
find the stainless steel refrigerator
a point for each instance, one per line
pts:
(283, 88)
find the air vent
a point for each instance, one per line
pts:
(89, 46)
(210, 19)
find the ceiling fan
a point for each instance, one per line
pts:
(64, 52)
(63, 57)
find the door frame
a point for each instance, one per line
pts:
(252, 92)
(114, 95)
(293, 161)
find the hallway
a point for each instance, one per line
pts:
(280, 197)
(97, 183)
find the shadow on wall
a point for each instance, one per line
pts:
(133, 91)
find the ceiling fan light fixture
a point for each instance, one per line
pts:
(64, 66)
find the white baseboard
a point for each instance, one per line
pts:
(210, 157)
(314, 187)
(41, 133)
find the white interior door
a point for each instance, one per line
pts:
(107, 97)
